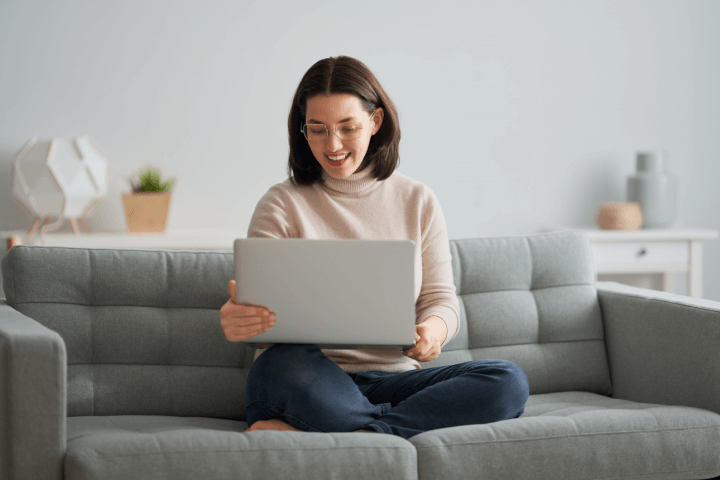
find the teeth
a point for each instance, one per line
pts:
(338, 158)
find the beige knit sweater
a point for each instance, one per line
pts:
(362, 207)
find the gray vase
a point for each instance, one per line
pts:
(654, 189)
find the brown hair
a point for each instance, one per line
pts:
(342, 75)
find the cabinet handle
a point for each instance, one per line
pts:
(642, 252)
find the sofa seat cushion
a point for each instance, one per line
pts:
(152, 447)
(570, 435)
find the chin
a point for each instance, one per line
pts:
(339, 174)
(342, 172)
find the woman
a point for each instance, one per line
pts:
(344, 136)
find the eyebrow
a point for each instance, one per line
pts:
(341, 121)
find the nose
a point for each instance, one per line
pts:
(333, 142)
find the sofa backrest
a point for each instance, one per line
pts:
(143, 336)
(531, 300)
(141, 328)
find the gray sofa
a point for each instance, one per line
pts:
(115, 366)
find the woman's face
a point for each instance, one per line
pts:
(341, 158)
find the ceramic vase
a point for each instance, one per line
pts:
(654, 189)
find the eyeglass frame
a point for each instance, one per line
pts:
(302, 129)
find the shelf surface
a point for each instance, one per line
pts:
(206, 239)
(596, 234)
(222, 239)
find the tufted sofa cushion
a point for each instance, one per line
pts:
(141, 328)
(531, 300)
(571, 435)
(163, 447)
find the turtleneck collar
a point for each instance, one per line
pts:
(355, 185)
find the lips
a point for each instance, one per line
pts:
(337, 160)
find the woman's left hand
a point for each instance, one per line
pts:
(429, 337)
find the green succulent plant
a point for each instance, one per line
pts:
(149, 180)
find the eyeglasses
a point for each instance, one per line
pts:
(318, 132)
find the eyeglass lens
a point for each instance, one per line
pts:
(319, 132)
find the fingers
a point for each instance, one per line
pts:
(246, 327)
(239, 315)
(244, 310)
(240, 321)
(232, 309)
(430, 355)
(423, 351)
(243, 332)
(231, 290)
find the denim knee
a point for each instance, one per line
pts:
(284, 363)
(517, 388)
(282, 356)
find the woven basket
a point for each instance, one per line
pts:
(620, 216)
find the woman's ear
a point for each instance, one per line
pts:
(377, 119)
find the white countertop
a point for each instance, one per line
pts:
(644, 234)
(200, 239)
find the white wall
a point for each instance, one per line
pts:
(520, 115)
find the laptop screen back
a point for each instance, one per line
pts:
(331, 293)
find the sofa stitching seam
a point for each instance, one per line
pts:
(228, 251)
(532, 289)
(621, 404)
(643, 432)
(239, 450)
(92, 336)
(619, 407)
(538, 344)
(127, 305)
(654, 474)
(14, 281)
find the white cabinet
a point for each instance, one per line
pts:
(656, 254)
(627, 257)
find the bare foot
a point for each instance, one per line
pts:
(281, 425)
(272, 424)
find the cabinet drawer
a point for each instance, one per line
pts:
(640, 252)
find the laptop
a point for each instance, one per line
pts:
(346, 294)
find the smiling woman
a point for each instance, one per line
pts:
(344, 138)
(330, 87)
(341, 153)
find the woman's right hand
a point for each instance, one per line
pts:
(241, 322)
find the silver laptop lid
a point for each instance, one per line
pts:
(331, 293)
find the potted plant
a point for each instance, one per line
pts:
(146, 208)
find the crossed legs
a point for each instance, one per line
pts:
(297, 388)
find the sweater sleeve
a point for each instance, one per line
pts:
(271, 218)
(437, 294)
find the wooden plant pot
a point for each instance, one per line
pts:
(146, 212)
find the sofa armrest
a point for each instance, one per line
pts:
(33, 385)
(662, 347)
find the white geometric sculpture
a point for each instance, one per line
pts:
(60, 178)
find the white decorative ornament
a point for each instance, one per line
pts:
(60, 178)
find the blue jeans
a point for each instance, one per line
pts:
(301, 385)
